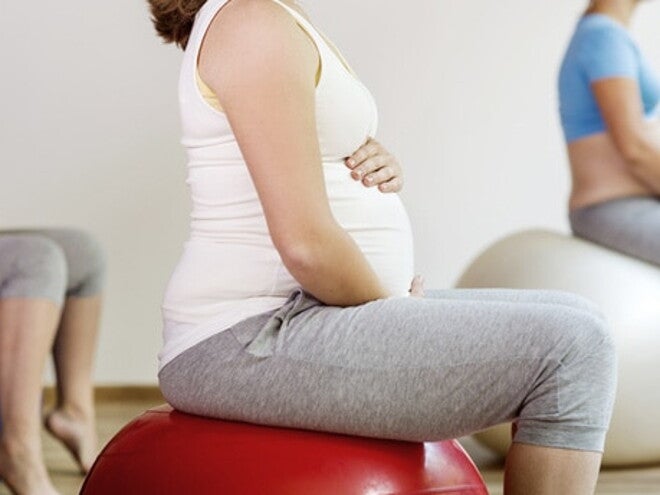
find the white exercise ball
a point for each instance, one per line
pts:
(628, 292)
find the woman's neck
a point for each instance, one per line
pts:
(619, 10)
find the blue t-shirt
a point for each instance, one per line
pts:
(601, 48)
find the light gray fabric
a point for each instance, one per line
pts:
(411, 369)
(50, 264)
(628, 225)
(31, 266)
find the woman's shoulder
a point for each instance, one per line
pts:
(598, 35)
(267, 15)
(253, 36)
(597, 26)
(253, 26)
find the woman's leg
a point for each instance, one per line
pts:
(417, 369)
(526, 464)
(562, 471)
(32, 275)
(628, 225)
(535, 470)
(73, 419)
(530, 468)
(519, 296)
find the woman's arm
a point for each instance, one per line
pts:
(262, 67)
(620, 105)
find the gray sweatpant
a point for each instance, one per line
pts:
(628, 225)
(49, 264)
(411, 369)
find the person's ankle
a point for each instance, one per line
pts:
(77, 411)
(23, 469)
(20, 440)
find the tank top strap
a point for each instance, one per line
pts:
(300, 19)
(202, 22)
(323, 44)
(304, 24)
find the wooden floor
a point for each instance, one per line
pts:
(113, 414)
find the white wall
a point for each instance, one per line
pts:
(90, 133)
(90, 138)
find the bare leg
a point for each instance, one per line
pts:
(534, 470)
(27, 329)
(73, 419)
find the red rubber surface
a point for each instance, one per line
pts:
(166, 452)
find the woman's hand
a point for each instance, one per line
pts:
(375, 166)
(417, 286)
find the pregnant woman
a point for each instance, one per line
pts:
(290, 305)
(608, 100)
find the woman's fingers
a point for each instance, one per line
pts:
(374, 166)
(380, 176)
(388, 179)
(393, 185)
(417, 286)
(369, 149)
(381, 169)
(369, 165)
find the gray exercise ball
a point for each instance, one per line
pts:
(628, 292)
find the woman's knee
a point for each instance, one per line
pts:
(571, 406)
(593, 371)
(586, 352)
(593, 340)
(35, 268)
(85, 259)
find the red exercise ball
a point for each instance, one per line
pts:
(167, 452)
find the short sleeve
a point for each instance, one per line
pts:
(608, 52)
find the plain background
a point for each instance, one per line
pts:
(466, 91)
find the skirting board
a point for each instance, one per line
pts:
(118, 393)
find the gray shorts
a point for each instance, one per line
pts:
(628, 225)
(413, 369)
(49, 264)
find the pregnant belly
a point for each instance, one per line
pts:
(379, 225)
(218, 265)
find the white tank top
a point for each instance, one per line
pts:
(230, 269)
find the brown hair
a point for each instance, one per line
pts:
(174, 19)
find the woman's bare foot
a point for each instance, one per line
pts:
(23, 470)
(77, 433)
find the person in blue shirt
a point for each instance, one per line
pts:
(609, 98)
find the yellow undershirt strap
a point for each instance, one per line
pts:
(207, 93)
